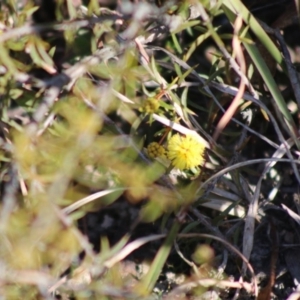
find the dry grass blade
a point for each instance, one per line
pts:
(209, 282)
(180, 128)
(130, 248)
(69, 209)
(292, 214)
(223, 205)
(231, 248)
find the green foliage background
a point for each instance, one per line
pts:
(75, 126)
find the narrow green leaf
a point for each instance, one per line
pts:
(151, 277)
(176, 43)
(238, 8)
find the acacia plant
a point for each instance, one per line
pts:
(149, 103)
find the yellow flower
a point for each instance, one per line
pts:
(185, 152)
(155, 150)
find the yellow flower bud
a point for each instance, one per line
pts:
(150, 106)
(155, 150)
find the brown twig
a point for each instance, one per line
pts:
(236, 101)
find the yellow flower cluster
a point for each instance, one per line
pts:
(155, 150)
(185, 152)
(151, 106)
